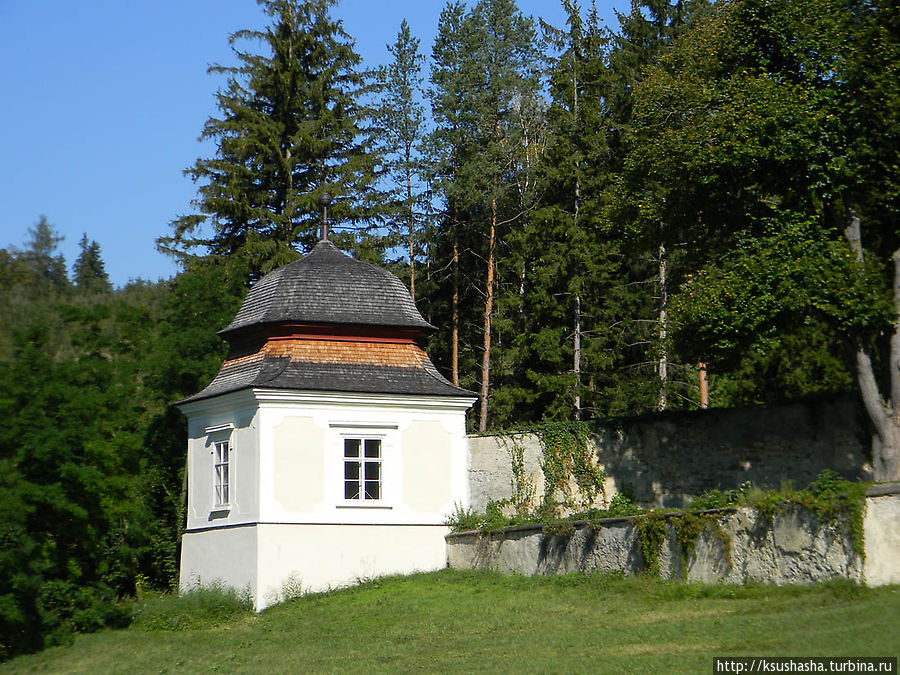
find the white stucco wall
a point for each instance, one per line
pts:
(221, 555)
(424, 457)
(287, 478)
(319, 557)
(239, 411)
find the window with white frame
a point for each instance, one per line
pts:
(362, 469)
(222, 473)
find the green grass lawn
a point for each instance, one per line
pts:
(453, 621)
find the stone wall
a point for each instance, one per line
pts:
(736, 545)
(664, 459)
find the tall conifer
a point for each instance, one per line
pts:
(401, 119)
(291, 126)
(89, 271)
(503, 69)
(46, 266)
(449, 145)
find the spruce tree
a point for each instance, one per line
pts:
(646, 33)
(291, 126)
(89, 271)
(573, 264)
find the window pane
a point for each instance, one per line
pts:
(351, 470)
(373, 447)
(351, 490)
(373, 470)
(351, 447)
(373, 489)
(224, 494)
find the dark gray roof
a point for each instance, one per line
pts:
(279, 372)
(330, 287)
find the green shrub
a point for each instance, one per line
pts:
(720, 499)
(463, 519)
(714, 499)
(493, 518)
(827, 483)
(621, 505)
(559, 528)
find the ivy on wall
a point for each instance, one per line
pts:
(832, 500)
(572, 479)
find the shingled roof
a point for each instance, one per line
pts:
(366, 343)
(285, 373)
(328, 287)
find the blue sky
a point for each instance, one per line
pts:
(103, 101)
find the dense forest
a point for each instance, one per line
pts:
(695, 207)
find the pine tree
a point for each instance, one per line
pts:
(503, 69)
(89, 271)
(401, 118)
(448, 146)
(291, 127)
(484, 83)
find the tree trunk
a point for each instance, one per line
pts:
(576, 366)
(412, 259)
(454, 314)
(488, 311)
(663, 329)
(704, 385)
(883, 414)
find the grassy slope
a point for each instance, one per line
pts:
(458, 621)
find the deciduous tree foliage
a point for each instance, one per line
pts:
(91, 451)
(769, 137)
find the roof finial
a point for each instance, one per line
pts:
(324, 202)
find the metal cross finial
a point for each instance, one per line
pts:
(324, 202)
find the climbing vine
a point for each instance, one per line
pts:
(571, 477)
(833, 501)
(688, 529)
(652, 531)
(523, 488)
